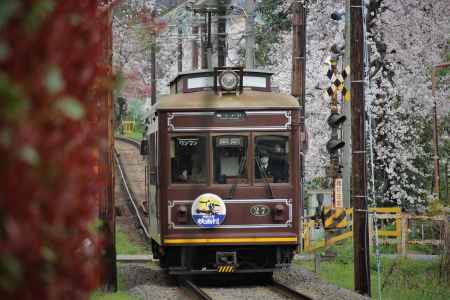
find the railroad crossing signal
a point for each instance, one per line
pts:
(335, 218)
(338, 83)
(334, 144)
(338, 199)
(345, 92)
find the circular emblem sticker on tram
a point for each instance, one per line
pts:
(208, 210)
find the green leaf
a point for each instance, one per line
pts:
(95, 226)
(71, 107)
(15, 104)
(11, 273)
(4, 50)
(48, 254)
(29, 155)
(5, 137)
(53, 80)
(7, 10)
(39, 11)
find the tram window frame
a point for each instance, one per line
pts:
(261, 182)
(207, 164)
(247, 136)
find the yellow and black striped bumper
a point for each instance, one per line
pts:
(225, 269)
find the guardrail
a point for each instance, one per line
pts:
(393, 227)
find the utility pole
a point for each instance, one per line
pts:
(346, 108)
(359, 168)
(195, 47)
(250, 35)
(153, 70)
(180, 49)
(221, 38)
(437, 177)
(209, 42)
(204, 54)
(298, 82)
(153, 65)
(446, 182)
(106, 171)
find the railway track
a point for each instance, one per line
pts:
(134, 203)
(275, 287)
(287, 291)
(196, 290)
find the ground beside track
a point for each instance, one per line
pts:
(149, 282)
(128, 239)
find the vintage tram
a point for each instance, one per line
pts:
(223, 174)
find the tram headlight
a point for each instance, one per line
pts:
(229, 80)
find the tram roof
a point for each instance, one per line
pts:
(208, 100)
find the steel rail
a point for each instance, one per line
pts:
(128, 140)
(198, 291)
(287, 291)
(130, 193)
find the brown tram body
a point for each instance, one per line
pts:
(198, 125)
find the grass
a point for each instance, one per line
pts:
(120, 295)
(401, 278)
(125, 246)
(136, 135)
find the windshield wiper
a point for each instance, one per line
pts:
(264, 175)
(241, 170)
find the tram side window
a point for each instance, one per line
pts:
(230, 159)
(188, 159)
(272, 158)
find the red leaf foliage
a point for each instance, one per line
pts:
(49, 139)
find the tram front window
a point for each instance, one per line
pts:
(271, 158)
(188, 159)
(230, 159)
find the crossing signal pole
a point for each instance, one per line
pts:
(359, 172)
(298, 82)
(335, 120)
(437, 174)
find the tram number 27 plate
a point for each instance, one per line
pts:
(259, 210)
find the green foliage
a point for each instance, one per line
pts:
(38, 13)
(50, 189)
(125, 246)
(70, 107)
(11, 272)
(29, 155)
(134, 111)
(121, 294)
(319, 183)
(53, 80)
(136, 135)
(112, 296)
(401, 278)
(275, 21)
(344, 251)
(7, 10)
(15, 104)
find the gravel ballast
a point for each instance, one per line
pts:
(145, 281)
